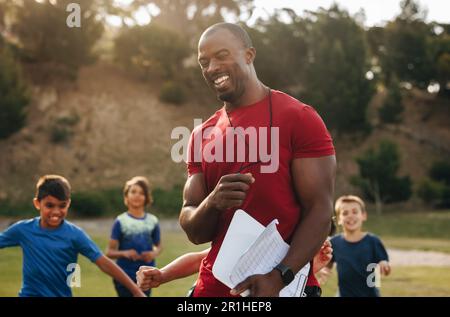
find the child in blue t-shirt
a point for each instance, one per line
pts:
(51, 245)
(135, 238)
(357, 253)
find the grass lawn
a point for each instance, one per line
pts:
(428, 231)
(405, 281)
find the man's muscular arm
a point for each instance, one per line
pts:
(314, 185)
(200, 212)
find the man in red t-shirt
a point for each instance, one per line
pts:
(294, 184)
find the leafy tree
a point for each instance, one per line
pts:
(378, 176)
(13, 95)
(436, 189)
(336, 82)
(406, 52)
(46, 38)
(151, 51)
(440, 48)
(190, 17)
(281, 51)
(392, 107)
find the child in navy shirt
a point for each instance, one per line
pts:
(357, 253)
(51, 244)
(135, 238)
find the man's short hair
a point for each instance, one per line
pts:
(53, 185)
(348, 199)
(235, 29)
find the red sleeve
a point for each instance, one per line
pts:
(194, 160)
(310, 135)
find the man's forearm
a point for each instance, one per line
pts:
(199, 222)
(308, 237)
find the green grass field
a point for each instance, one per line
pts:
(425, 231)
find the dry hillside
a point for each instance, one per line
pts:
(123, 130)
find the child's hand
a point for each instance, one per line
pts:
(323, 275)
(131, 255)
(149, 277)
(148, 256)
(385, 268)
(323, 257)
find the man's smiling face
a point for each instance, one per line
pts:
(224, 63)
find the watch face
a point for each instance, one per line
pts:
(286, 273)
(288, 276)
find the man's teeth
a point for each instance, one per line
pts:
(220, 80)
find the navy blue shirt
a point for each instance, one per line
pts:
(49, 255)
(353, 260)
(139, 234)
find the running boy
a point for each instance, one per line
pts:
(51, 244)
(355, 252)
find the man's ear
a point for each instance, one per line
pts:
(68, 203)
(250, 55)
(36, 203)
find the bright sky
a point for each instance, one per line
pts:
(377, 11)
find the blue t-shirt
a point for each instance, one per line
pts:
(49, 255)
(139, 234)
(353, 259)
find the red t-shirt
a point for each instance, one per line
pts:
(302, 134)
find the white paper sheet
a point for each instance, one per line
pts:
(249, 248)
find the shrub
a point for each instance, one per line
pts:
(440, 171)
(172, 92)
(13, 94)
(378, 175)
(169, 202)
(436, 190)
(62, 128)
(89, 204)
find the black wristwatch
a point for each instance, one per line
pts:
(286, 273)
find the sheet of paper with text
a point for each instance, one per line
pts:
(248, 249)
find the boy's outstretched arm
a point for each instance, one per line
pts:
(10, 237)
(385, 268)
(185, 265)
(113, 270)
